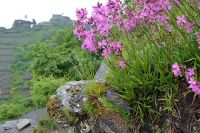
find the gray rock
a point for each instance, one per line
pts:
(1, 128)
(23, 123)
(112, 95)
(101, 73)
(71, 95)
(10, 125)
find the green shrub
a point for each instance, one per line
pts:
(62, 56)
(43, 87)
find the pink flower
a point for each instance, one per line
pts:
(176, 70)
(181, 20)
(104, 28)
(106, 52)
(168, 27)
(116, 47)
(189, 73)
(165, 5)
(102, 44)
(189, 27)
(81, 14)
(79, 32)
(89, 42)
(122, 64)
(130, 24)
(195, 86)
(154, 11)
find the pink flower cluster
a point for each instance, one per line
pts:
(189, 75)
(154, 10)
(95, 31)
(113, 14)
(176, 70)
(183, 22)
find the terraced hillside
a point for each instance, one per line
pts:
(8, 42)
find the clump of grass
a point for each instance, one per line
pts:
(108, 104)
(85, 71)
(95, 90)
(70, 117)
(91, 109)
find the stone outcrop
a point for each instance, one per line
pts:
(66, 107)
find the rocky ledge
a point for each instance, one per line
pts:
(66, 108)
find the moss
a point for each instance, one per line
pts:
(53, 108)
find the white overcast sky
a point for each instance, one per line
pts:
(40, 10)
